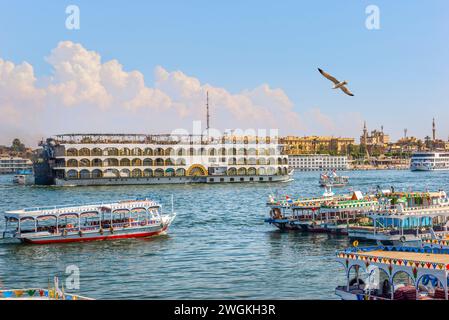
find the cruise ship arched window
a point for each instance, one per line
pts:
(252, 152)
(125, 173)
(252, 161)
(169, 162)
(111, 173)
(72, 174)
(97, 173)
(136, 152)
(279, 161)
(180, 162)
(111, 152)
(203, 152)
(262, 161)
(97, 163)
(136, 162)
(192, 152)
(125, 162)
(232, 172)
(241, 171)
(222, 151)
(181, 152)
(148, 152)
(159, 162)
(147, 162)
(272, 151)
(72, 163)
(271, 161)
(271, 171)
(180, 172)
(125, 152)
(72, 152)
(232, 161)
(212, 152)
(84, 163)
(111, 162)
(262, 171)
(147, 173)
(84, 152)
(136, 173)
(159, 152)
(85, 174)
(241, 161)
(242, 152)
(170, 172)
(232, 151)
(169, 152)
(279, 171)
(96, 152)
(158, 173)
(252, 171)
(261, 152)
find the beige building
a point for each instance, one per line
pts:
(294, 145)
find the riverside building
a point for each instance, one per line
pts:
(314, 162)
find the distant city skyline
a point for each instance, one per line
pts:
(146, 67)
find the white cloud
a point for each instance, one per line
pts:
(85, 94)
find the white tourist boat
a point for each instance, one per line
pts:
(102, 221)
(429, 161)
(413, 216)
(394, 273)
(117, 159)
(332, 179)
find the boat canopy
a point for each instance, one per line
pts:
(88, 210)
(415, 261)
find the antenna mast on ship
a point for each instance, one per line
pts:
(207, 112)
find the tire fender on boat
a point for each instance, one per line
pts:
(111, 229)
(80, 233)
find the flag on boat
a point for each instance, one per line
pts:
(289, 200)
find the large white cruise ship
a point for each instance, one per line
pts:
(429, 161)
(113, 159)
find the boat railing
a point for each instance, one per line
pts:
(122, 204)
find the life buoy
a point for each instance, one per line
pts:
(402, 239)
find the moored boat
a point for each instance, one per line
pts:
(102, 221)
(405, 218)
(331, 179)
(394, 273)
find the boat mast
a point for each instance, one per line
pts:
(207, 113)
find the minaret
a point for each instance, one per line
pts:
(433, 129)
(405, 133)
(365, 133)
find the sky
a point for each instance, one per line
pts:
(145, 67)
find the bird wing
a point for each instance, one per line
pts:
(346, 90)
(328, 76)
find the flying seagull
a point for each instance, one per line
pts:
(337, 84)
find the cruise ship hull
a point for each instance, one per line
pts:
(171, 180)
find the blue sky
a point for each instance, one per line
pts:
(399, 74)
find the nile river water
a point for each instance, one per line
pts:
(218, 247)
